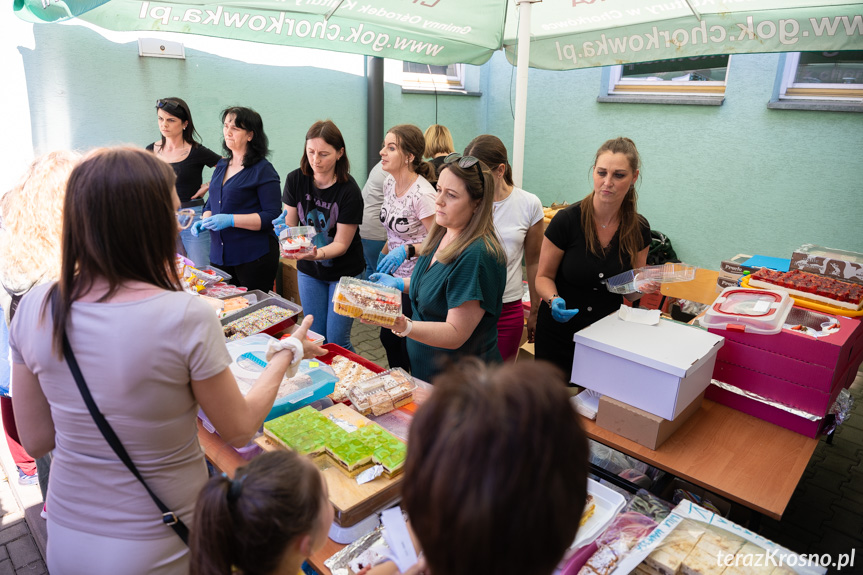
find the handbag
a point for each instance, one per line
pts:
(169, 518)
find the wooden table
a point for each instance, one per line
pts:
(702, 289)
(740, 457)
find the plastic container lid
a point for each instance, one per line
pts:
(249, 355)
(748, 310)
(632, 280)
(382, 393)
(369, 301)
(297, 240)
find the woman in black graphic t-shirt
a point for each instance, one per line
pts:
(322, 194)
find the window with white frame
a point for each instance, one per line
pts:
(834, 76)
(426, 77)
(696, 76)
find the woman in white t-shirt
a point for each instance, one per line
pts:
(407, 213)
(150, 354)
(518, 221)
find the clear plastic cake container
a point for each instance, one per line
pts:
(382, 393)
(632, 280)
(367, 300)
(297, 240)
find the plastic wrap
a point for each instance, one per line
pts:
(840, 410)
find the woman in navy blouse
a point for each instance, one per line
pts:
(244, 200)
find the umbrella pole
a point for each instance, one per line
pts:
(375, 110)
(522, 66)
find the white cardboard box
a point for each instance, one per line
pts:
(658, 368)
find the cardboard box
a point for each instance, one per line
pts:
(789, 368)
(839, 264)
(735, 265)
(638, 425)
(658, 368)
(289, 288)
(525, 352)
(724, 282)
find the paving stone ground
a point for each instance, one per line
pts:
(19, 554)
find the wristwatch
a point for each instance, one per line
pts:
(412, 252)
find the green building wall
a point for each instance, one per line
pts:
(719, 180)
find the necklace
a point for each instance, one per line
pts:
(608, 223)
(405, 188)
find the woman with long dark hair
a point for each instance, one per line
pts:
(585, 244)
(407, 213)
(180, 147)
(150, 354)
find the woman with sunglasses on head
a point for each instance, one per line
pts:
(322, 194)
(518, 221)
(585, 244)
(407, 214)
(456, 287)
(243, 201)
(180, 147)
(150, 355)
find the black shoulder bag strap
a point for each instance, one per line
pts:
(169, 518)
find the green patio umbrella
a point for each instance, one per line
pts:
(426, 31)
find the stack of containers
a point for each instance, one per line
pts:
(779, 363)
(731, 270)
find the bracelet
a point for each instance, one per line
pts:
(410, 326)
(551, 299)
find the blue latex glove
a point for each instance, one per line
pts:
(388, 280)
(197, 227)
(392, 260)
(381, 256)
(218, 222)
(559, 311)
(279, 223)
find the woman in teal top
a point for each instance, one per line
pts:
(456, 288)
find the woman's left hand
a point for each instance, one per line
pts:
(398, 326)
(218, 222)
(647, 286)
(312, 255)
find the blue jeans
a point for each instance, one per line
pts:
(317, 298)
(197, 248)
(371, 251)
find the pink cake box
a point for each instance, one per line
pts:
(790, 367)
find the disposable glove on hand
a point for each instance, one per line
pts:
(197, 227)
(218, 222)
(279, 223)
(291, 343)
(388, 280)
(559, 311)
(392, 260)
